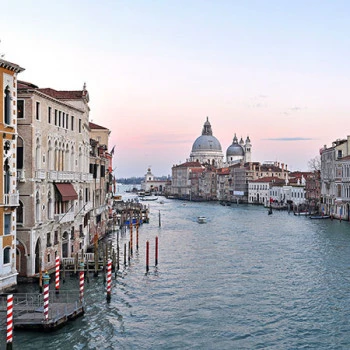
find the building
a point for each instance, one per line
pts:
(152, 184)
(9, 194)
(334, 178)
(53, 176)
(206, 148)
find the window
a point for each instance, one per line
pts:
(19, 213)
(72, 123)
(56, 238)
(67, 121)
(19, 153)
(79, 125)
(55, 116)
(48, 258)
(20, 109)
(7, 224)
(7, 255)
(49, 115)
(63, 119)
(37, 111)
(7, 105)
(7, 176)
(48, 239)
(59, 118)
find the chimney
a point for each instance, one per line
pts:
(286, 167)
(282, 166)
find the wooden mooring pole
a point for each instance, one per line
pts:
(147, 257)
(9, 336)
(156, 252)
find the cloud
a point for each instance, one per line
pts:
(294, 109)
(289, 139)
(258, 101)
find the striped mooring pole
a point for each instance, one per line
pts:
(46, 279)
(57, 275)
(81, 282)
(9, 336)
(109, 279)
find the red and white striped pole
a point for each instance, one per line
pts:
(9, 336)
(109, 279)
(57, 275)
(81, 282)
(46, 279)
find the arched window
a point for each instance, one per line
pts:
(49, 206)
(7, 105)
(56, 157)
(19, 213)
(72, 159)
(37, 208)
(49, 156)
(20, 152)
(7, 176)
(37, 154)
(7, 255)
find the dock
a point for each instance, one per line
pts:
(28, 310)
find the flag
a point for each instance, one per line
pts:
(112, 151)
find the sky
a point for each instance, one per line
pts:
(276, 71)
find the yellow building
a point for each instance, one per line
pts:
(9, 197)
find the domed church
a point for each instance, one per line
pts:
(207, 149)
(239, 151)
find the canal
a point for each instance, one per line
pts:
(243, 280)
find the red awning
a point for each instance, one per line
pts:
(66, 191)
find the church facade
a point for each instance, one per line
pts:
(207, 149)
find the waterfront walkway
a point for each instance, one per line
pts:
(28, 310)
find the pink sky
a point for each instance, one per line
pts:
(277, 72)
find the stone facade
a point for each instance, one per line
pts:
(9, 197)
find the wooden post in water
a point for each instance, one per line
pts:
(129, 256)
(156, 252)
(104, 264)
(81, 283)
(109, 279)
(147, 257)
(46, 279)
(137, 236)
(57, 274)
(9, 336)
(87, 269)
(96, 255)
(160, 224)
(113, 260)
(124, 254)
(131, 241)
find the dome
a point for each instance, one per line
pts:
(206, 143)
(235, 150)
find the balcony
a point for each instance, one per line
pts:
(40, 174)
(21, 175)
(11, 199)
(65, 217)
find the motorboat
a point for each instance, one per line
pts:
(201, 219)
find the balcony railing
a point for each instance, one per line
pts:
(100, 210)
(40, 174)
(11, 199)
(21, 175)
(65, 217)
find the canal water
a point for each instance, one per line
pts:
(243, 280)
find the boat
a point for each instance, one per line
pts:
(201, 219)
(319, 217)
(148, 198)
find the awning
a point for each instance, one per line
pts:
(66, 191)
